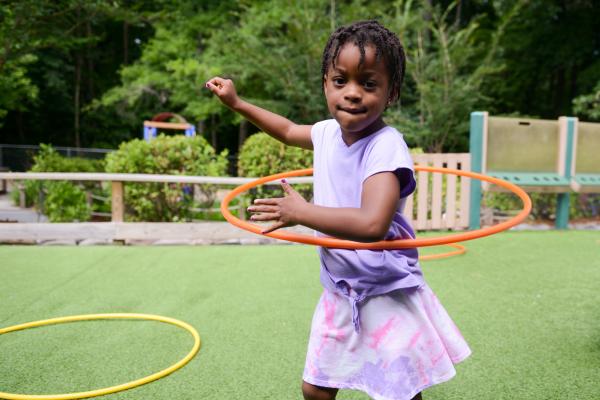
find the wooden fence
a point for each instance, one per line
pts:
(439, 202)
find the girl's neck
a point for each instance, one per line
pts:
(350, 138)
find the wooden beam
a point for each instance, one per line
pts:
(107, 177)
(117, 201)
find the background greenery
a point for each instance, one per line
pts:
(88, 73)
(167, 155)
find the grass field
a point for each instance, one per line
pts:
(528, 303)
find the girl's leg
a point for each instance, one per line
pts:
(312, 392)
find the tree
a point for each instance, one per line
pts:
(53, 61)
(588, 106)
(550, 54)
(447, 65)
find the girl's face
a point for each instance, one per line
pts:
(356, 97)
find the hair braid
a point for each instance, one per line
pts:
(365, 33)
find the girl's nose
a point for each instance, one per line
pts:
(352, 93)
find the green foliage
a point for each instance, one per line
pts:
(173, 68)
(588, 106)
(581, 205)
(61, 201)
(49, 160)
(281, 69)
(261, 155)
(66, 202)
(116, 63)
(548, 56)
(170, 155)
(447, 66)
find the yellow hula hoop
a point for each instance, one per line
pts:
(384, 244)
(112, 389)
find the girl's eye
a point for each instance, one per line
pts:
(370, 84)
(338, 81)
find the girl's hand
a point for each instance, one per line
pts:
(224, 89)
(283, 210)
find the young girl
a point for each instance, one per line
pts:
(378, 327)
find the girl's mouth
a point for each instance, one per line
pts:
(351, 110)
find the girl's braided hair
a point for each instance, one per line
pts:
(364, 33)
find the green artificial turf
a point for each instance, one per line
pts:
(528, 303)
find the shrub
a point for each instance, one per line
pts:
(61, 201)
(261, 155)
(581, 205)
(170, 155)
(66, 202)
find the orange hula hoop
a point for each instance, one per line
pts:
(460, 249)
(384, 244)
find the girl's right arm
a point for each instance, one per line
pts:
(275, 125)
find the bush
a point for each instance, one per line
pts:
(581, 205)
(61, 201)
(261, 155)
(170, 155)
(66, 202)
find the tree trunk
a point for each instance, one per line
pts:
(77, 101)
(559, 91)
(213, 132)
(77, 85)
(243, 133)
(332, 16)
(427, 17)
(90, 63)
(457, 16)
(20, 128)
(125, 43)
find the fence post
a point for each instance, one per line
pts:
(117, 201)
(476, 150)
(563, 199)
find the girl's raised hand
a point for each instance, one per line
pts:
(283, 210)
(224, 89)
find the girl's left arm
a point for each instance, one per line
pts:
(369, 223)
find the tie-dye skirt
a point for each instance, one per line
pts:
(407, 342)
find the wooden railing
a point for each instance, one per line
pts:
(117, 180)
(440, 201)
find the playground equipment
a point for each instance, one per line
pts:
(585, 171)
(112, 389)
(384, 244)
(539, 155)
(150, 127)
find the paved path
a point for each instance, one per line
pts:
(11, 213)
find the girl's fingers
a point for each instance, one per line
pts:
(269, 202)
(273, 227)
(265, 217)
(263, 209)
(216, 81)
(215, 84)
(286, 187)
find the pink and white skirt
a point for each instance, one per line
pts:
(407, 342)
